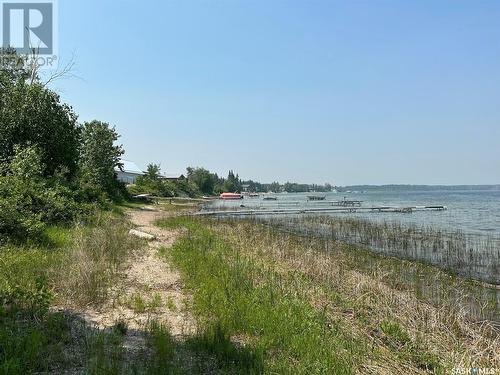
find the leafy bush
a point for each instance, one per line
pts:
(28, 201)
(23, 277)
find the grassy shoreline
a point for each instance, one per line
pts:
(386, 328)
(431, 283)
(264, 301)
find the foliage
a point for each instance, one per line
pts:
(12, 66)
(153, 171)
(204, 180)
(274, 187)
(41, 153)
(28, 201)
(33, 115)
(152, 183)
(51, 168)
(232, 184)
(201, 181)
(99, 157)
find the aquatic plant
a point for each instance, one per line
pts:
(466, 255)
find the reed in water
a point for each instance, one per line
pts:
(467, 255)
(384, 315)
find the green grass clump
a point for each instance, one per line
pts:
(171, 304)
(29, 345)
(23, 279)
(155, 303)
(56, 236)
(399, 341)
(93, 261)
(31, 338)
(250, 322)
(163, 347)
(75, 265)
(395, 334)
(105, 353)
(137, 303)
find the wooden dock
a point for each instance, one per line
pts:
(274, 202)
(306, 210)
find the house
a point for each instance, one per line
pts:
(171, 176)
(129, 173)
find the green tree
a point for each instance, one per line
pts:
(153, 171)
(33, 115)
(12, 66)
(27, 163)
(151, 183)
(232, 184)
(203, 179)
(100, 156)
(275, 187)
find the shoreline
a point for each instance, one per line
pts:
(308, 269)
(443, 280)
(206, 295)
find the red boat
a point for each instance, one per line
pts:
(231, 196)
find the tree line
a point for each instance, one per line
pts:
(197, 182)
(201, 182)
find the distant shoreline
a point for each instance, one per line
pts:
(400, 187)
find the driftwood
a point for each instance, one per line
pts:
(143, 235)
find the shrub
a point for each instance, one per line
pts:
(28, 201)
(26, 206)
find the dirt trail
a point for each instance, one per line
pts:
(150, 288)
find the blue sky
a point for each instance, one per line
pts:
(345, 92)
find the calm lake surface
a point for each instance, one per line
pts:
(474, 212)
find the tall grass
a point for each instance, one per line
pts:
(29, 337)
(469, 256)
(92, 262)
(72, 265)
(237, 300)
(435, 285)
(406, 333)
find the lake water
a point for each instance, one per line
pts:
(474, 212)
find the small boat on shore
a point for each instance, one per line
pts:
(231, 196)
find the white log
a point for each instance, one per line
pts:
(143, 235)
